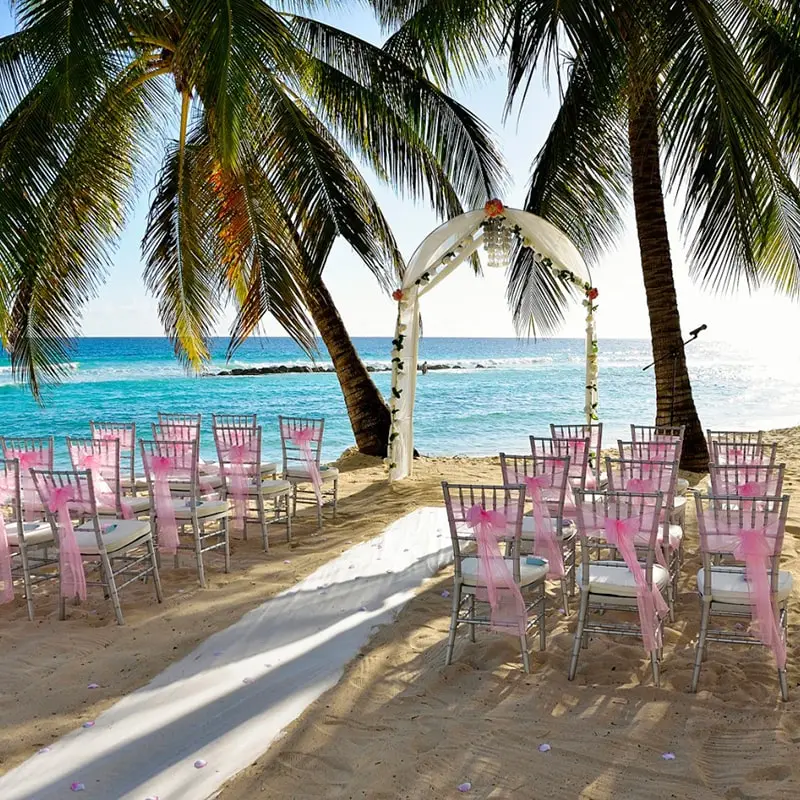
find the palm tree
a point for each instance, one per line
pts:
(262, 111)
(657, 96)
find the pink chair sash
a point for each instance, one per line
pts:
(102, 491)
(28, 460)
(124, 437)
(6, 578)
(168, 539)
(496, 582)
(302, 438)
(753, 548)
(73, 578)
(545, 540)
(645, 485)
(621, 533)
(238, 479)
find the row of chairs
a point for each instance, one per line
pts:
(629, 522)
(120, 522)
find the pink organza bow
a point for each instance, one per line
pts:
(501, 590)
(124, 437)
(545, 541)
(102, 491)
(238, 480)
(73, 578)
(6, 578)
(752, 489)
(302, 437)
(753, 548)
(621, 533)
(640, 485)
(168, 539)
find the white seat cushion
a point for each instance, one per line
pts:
(529, 527)
(528, 573)
(35, 533)
(679, 504)
(675, 537)
(728, 585)
(681, 485)
(123, 533)
(301, 473)
(139, 505)
(211, 467)
(205, 483)
(614, 578)
(206, 508)
(271, 487)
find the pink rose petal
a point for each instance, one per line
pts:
(44, 750)
(464, 787)
(76, 787)
(544, 748)
(93, 686)
(287, 561)
(89, 724)
(445, 593)
(668, 756)
(200, 763)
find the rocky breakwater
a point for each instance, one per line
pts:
(284, 369)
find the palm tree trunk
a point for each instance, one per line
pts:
(674, 401)
(369, 414)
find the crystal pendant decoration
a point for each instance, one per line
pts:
(497, 242)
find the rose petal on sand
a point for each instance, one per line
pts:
(93, 686)
(668, 756)
(287, 561)
(445, 593)
(76, 787)
(89, 724)
(545, 748)
(200, 763)
(44, 750)
(464, 787)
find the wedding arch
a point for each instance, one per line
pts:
(496, 228)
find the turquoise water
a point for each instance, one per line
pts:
(466, 411)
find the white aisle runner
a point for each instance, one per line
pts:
(226, 702)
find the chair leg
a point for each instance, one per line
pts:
(565, 595)
(262, 521)
(287, 500)
(197, 529)
(335, 496)
(472, 636)
(576, 642)
(526, 657)
(451, 636)
(156, 576)
(111, 585)
(542, 616)
(701, 643)
(26, 579)
(294, 499)
(226, 532)
(655, 667)
(319, 514)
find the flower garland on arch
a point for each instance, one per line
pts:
(494, 211)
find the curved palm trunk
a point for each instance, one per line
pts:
(369, 414)
(672, 407)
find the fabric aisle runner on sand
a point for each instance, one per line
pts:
(225, 703)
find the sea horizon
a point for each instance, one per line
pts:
(495, 393)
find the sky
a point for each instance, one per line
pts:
(465, 304)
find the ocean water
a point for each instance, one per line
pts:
(522, 387)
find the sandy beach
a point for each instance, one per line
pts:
(401, 725)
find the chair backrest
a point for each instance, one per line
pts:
(238, 447)
(553, 469)
(724, 437)
(721, 521)
(81, 503)
(179, 419)
(459, 499)
(101, 457)
(592, 431)
(743, 452)
(11, 495)
(125, 434)
(234, 420)
(644, 476)
(650, 451)
(176, 460)
(657, 433)
(293, 454)
(30, 452)
(595, 509)
(747, 479)
(576, 449)
(176, 431)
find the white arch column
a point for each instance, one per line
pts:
(440, 253)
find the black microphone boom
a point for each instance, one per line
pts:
(696, 331)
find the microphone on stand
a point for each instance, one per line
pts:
(694, 334)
